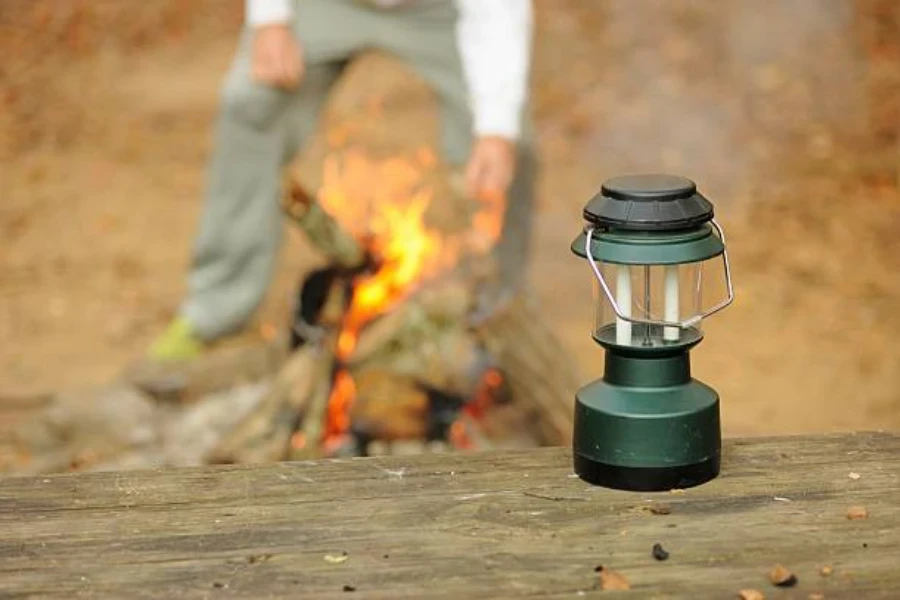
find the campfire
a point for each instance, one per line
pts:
(389, 343)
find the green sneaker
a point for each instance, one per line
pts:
(179, 342)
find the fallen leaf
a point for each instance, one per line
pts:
(857, 513)
(336, 559)
(827, 570)
(781, 577)
(610, 580)
(854, 476)
(751, 595)
(256, 558)
(816, 596)
(653, 509)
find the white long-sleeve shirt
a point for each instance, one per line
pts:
(494, 39)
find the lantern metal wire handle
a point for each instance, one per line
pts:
(689, 322)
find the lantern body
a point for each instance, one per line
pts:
(647, 424)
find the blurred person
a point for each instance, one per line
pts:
(474, 54)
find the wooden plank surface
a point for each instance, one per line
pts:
(501, 525)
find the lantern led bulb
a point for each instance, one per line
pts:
(623, 297)
(671, 333)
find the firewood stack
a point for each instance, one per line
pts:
(436, 370)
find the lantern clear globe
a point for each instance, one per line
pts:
(665, 293)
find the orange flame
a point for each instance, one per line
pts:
(343, 392)
(385, 202)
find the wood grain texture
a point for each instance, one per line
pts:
(496, 525)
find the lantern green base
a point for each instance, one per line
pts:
(647, 425)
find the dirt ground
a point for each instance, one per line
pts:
(776, 109)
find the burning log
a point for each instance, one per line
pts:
(432, 321)
(307, 442)
(541, 372)
(299, 396)
(322, 229)
(391, 408)
(264, 435)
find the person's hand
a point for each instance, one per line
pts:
(277, 56)
(491, 167)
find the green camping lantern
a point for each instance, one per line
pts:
(655, 251)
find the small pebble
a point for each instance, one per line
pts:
(751, 595)
(854, 476)
(659, 553)
(826, 570)
(349, 588)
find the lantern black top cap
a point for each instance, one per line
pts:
(648, 203)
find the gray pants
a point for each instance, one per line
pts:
(260, 129)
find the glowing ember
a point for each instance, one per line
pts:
(459, 437)
(486, 394)
(384, 203)
(337, 422)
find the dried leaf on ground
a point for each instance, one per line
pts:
(854, 476)
(782, 577)
(751, 595)
(653, 509)
(826, 570)
(610, 580)
(258, 558)
(857, 513)
(336, 559)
